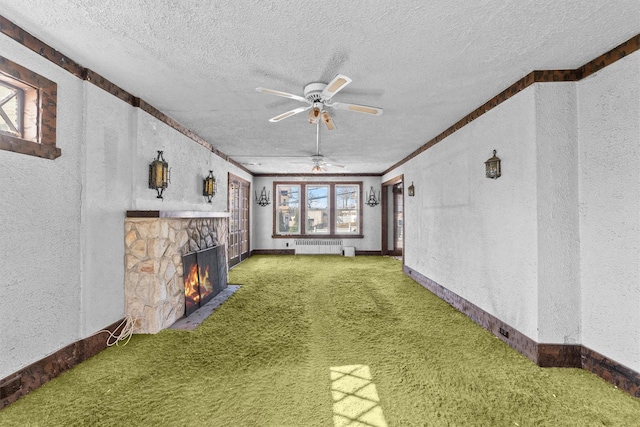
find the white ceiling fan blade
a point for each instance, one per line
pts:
(279, 93)
(335, 165)
(357, 108)
(336, 85)
(288, 114)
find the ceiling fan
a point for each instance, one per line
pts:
(319, 97)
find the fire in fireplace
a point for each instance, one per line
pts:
(205, 275)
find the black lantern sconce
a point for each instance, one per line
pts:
(371, 198)
(209, 187)
(412, 190)
(263, 200)
(493, 166)
(159, 174)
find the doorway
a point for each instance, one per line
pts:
(239, 221)
(393, 217)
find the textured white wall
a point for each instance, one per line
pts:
(473, 235)
(263, 216)
(40, 231)
(557, 210)
(62, 221)
(609, 134)
(108, 144)
(189, 163)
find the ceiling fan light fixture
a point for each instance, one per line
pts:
(316, 169)
(314, 113)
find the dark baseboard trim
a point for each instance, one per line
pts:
(273, 252)
(543, 355)
(368, 253)
(622, 377)
(44, 370)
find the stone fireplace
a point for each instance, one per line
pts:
(155, 242)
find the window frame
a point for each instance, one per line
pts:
(39, 111)
(303, 232)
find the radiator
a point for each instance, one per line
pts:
(318, 246)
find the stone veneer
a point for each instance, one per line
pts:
(154, 246)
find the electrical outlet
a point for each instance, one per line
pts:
(504, 332)
(10, 386)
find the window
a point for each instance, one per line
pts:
(11, 109)
(288, 209)
(317, 209)
(347, 212)
(28, 104)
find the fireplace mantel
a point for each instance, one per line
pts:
(177, 214)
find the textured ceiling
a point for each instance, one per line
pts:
(427, 64)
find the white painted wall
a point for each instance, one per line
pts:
(609, 159)
(62, 221)
(40, 232)
(473, 235)
(557, 211)
(263, 216)
(553, 246)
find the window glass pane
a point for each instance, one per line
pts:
(317, 209)
(347, 207)
(288, 209)
(10, 113)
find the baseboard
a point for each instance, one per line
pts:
(44, 370)
(619, 375)
(273, 252)
(544, 355)
(368, 253)
(293, 252)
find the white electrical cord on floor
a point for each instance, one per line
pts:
(127, 324)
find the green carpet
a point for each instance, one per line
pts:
(323, 341)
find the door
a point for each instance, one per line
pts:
(393, 217)
(398, 219)
(239, 221)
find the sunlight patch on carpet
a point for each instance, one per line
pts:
(355, 398)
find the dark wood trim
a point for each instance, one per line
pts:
(38, 373)
(619, 375)
(539, 76)
(22, 146)
(19, 35)
(544, 355)
(368, 253)
(273, 252)
(177, 214)
(314, 175)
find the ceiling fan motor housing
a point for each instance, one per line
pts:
(313, 92)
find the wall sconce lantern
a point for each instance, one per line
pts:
(371, 198)
(412, 190)
(209, 187)
(159, 174)
(263, 200)
(493, 166)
